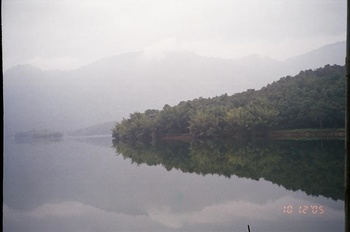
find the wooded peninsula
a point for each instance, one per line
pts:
(313, 99)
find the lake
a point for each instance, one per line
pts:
(87, 184)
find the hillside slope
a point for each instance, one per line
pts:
(311, 99)
(111, 88)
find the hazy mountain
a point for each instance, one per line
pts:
(329, 54)
(99, 129)
(111, 88)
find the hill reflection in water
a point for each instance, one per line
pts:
(315, 167)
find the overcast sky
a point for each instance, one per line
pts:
(66, 34)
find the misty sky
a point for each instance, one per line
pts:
(65, 34)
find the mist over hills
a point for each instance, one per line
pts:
(112, 88)
(329, 54)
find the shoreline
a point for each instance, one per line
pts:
(337, 133)
(308, 134)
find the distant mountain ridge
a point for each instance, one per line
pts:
(99, 129)
(114, 87)
(329, 54)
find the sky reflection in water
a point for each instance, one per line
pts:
(84, 186)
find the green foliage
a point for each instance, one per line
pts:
(256, 116)
(202, 124)
(137, 127)
(311, 99)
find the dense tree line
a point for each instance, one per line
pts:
(311, 99)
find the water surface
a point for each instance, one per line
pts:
(89, 185)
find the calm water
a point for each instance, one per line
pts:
(89, 185)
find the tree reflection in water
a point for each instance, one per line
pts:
(313, 166)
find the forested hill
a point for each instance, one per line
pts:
(311, 99)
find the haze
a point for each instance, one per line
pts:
(62, 34)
